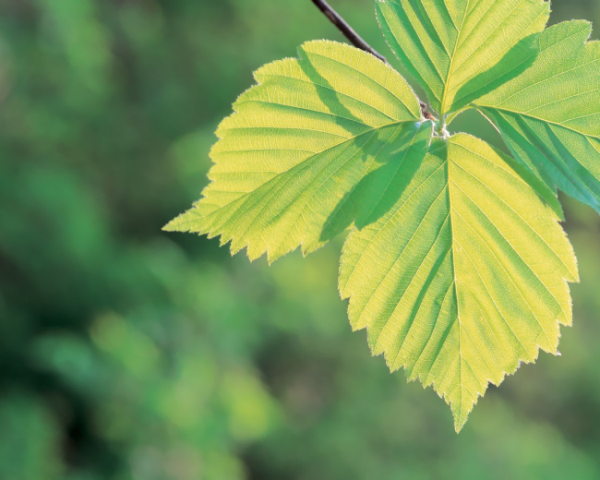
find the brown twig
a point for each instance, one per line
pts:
(358, 42)
(346, 29)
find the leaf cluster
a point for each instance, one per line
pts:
(456, 263)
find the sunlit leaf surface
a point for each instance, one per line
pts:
(464, 276)
(461, 49)
(291, 159)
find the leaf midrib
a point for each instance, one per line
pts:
(452, 57)
(302, 163)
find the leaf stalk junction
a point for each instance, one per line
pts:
(356, 40)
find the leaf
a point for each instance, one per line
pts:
(550, 115)
(299, 145)
(465, 276)
(459, 50)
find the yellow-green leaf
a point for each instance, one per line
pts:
(465, 276)
(459, 50)
(550, 115)
(299, 147)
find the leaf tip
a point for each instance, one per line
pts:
(461, 415)
(186, 222)
(172, 226)
(459, 423)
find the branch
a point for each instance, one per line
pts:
(346, 29)
(358, 42)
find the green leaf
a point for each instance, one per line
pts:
(302, 146)
(459, 50)
(464, 277)
(550, 115)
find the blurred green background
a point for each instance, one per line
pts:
(127, 353)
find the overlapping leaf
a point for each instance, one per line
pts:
(291, 159)
(461, 49)
(550, 115)
(465, 276)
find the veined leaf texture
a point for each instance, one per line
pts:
(455, 263)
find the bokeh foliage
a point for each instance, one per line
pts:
(129, 353)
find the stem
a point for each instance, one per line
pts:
(358, 42)
(346, 29)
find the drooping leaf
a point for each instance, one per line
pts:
(291, 159)
(465, 276)
(550, 115)
(460, 49)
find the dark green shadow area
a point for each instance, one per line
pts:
(516, 61)
(380, 189)
(329, 97)
(395, 153)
